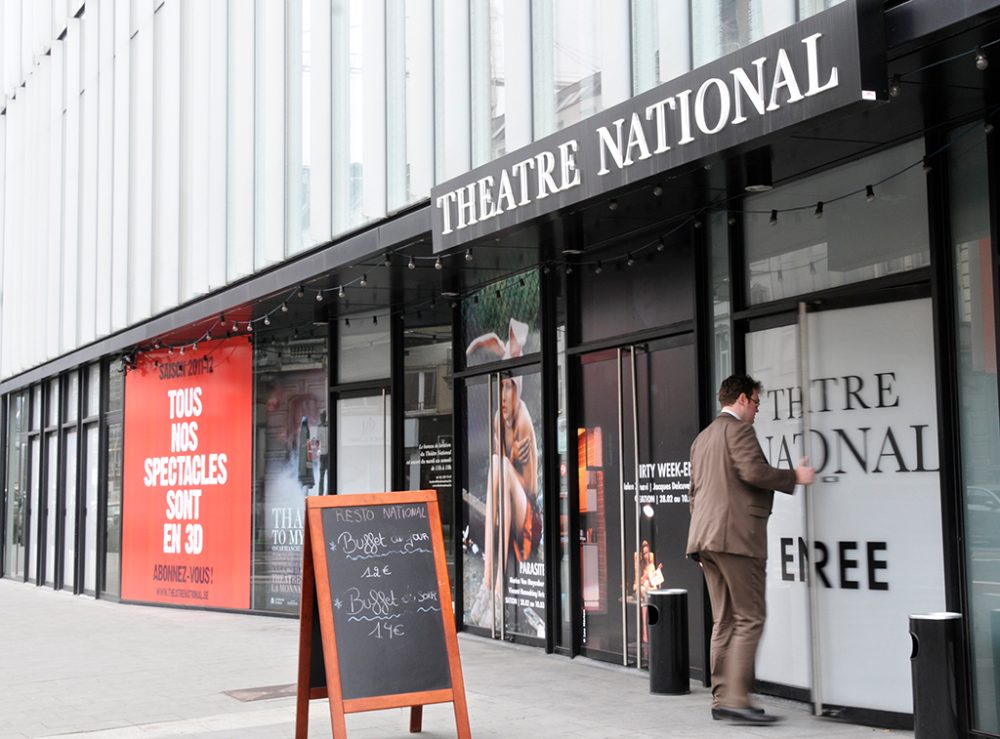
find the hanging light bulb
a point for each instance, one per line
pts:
(819, 209)
(364, 280)
(629, 260)
(375, 320)
(468, 255)
(182, 351)
(208, 335)
(341, 294)
(235, 327)
(774, 217)
(895, 86)
(301, 292)
(347, 322)
(284, 307)
(249, 327)
(661, 244)
(437, 264)
(411, 264)
(267, 320)
(981, 61)
(319, 296)
(613, 204)
(598, 268)
(869, 193)
(194, 347)
(387, 262)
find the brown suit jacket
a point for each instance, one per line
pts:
(732, 490)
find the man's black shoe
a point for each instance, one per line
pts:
(743, 715)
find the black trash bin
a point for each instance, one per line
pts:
(667, 621)
(938, 668)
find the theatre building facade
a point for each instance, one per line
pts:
(508, 251)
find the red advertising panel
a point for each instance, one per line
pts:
(187, 477)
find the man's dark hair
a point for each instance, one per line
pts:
(735, 385)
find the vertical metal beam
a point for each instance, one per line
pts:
(639, 565)
(621, 505)
(817, 674)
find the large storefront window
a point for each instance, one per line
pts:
(427, 420)
(975, 267)
(503, 484)
(796, 251)
(872, 434)
(291, 461)
(114, 433)
(16, 516)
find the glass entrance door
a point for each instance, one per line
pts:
(639, 415)
(503, 494)
(870, 422)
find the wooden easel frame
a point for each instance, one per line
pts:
(316, 592)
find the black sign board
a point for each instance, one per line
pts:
(826, 65)
(377, 627)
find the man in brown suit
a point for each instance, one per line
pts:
(732, 491)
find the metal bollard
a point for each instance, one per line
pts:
(667, 621)
(938, 670)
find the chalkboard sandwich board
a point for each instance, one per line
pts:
(377, 628)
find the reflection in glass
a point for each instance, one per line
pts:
(977, 390)
(72, 397)
(661, 43)
(569, 40)
(722, 363)
(363, 350)
(364, 453)
(69, 512)
(720, 27)
(15, 528)
(427, 422)
(113, 516)
(409, 101)
(801, 252)
(33, 526)
(90, 512)
(291, 461)
(51, 501)
(812, 7)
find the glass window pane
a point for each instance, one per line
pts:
(574, 66)
(116, 389)
(722, 342)
(69, 512)
(113, 524)
(71, 399)
(34, 512)
(36, 407)
(363, 351)
(51, 491)
(661, 42)
(974, 284)
(720, 27)
(291, 460)
(409, 101)
(363, 444)
(90, 513)
(427, 424)
(52, 415)
(854, 240)
(93, 400)
(812, 7)
(17, 492)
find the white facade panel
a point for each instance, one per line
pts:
(218, 51)
(88, 101)
(316, 114)
(240, 128)
(10, 49)
(140, 206)
(105, 162)
(166, 155)
(453, 115)
(121, 165)
(517, 73)
(69, 262)
(269, 134)
(194, 147)
(373, 116)
(296, 122)
(54, 161)
(615, 53)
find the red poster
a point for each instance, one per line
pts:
(187, 477)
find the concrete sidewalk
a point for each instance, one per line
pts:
(78, 667)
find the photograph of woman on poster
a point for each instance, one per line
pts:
(512, 478)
